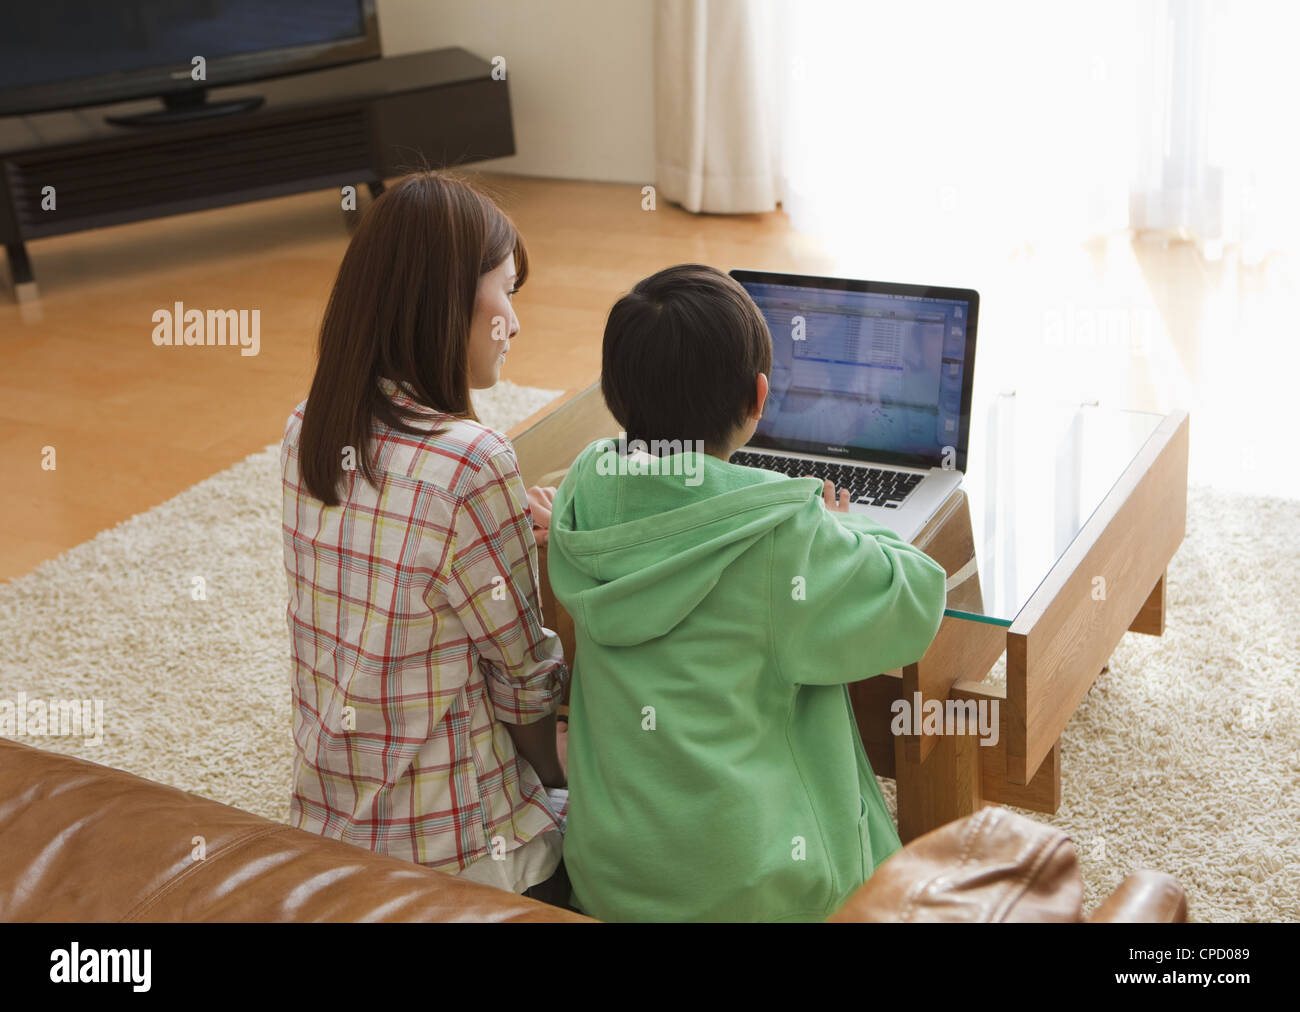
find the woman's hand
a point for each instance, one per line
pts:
(540, 501)
(538, 743)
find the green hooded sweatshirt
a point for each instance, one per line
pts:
(715, 767)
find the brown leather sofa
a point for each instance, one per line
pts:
(82, 842)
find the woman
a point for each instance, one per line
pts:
(425, 686)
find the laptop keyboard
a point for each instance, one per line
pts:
(870, 486)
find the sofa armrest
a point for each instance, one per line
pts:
(89, 843)
(1145, 897)
(996, 865)
(993, 865)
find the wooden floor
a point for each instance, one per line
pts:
(133, 424)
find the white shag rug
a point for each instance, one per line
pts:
(1184, 757)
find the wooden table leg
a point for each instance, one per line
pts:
(943, 786)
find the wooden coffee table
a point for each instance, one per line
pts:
(1056, 544)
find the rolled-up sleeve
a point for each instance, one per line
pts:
(492, 586)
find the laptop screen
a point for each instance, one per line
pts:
(867, 370)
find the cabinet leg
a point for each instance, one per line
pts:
(20, 268)
(943, 787)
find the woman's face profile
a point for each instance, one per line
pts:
(493, 325)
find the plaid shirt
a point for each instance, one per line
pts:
(416, 631)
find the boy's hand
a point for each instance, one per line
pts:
(540, 501)
(828, 493)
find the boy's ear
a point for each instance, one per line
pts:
(761, 399)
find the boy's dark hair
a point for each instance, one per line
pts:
(681, 356)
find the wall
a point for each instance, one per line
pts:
(580, 74)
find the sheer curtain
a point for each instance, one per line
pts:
(1254, 83)
(943, 132)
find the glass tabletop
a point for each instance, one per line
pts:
(1036, 472)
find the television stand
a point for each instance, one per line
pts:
(68, 171)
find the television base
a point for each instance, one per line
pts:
(185, 107)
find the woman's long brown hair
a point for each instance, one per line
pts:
(401, 308)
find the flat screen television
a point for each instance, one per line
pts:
(60, 54)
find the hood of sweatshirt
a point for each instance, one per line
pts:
(637, 542)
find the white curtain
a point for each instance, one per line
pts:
(941, 132)
(716, 128)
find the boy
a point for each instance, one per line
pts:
(715, 768)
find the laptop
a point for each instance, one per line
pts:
(870, 387)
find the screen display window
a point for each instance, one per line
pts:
(863, 370)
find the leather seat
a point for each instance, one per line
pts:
(81, 842)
